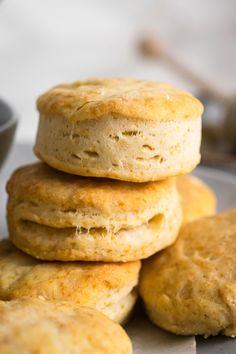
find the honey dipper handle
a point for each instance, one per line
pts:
(150, 47)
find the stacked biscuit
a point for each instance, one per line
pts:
(134, 136)
(105, 195)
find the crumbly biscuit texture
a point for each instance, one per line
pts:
(137, 99)
(119, 148)
(197, 198)
(35, 326)
(190, 287)
(108, 287)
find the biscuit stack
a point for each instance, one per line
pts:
(105, 191)
(134, 136)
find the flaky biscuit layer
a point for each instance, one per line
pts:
(54, 216)
(115, 147)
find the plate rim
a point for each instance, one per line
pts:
(215, 173)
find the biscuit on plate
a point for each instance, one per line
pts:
(198, 199)
(57, 216)
(189, 288)
(107, 287)
(33, 326)
(130, 130)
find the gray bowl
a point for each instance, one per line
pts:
(8, 123)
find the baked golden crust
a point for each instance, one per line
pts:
(55, 216)
(134, 99)
(39, 182)
(190, 287)
(129, 130)
(198, 199)
(34, 326)
(88, 284)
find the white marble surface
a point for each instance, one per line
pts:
(46, 42)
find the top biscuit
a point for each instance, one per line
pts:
(130, 130)
(134, 99)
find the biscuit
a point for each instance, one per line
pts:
(33, 326)
(58, 216)
(129, 130)
(189, 288)
(198, 199)
(107, 287)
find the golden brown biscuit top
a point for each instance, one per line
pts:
(82, 282)
(198, 199)
(135, 99)
(201, 262)
(36, 326)
(39, 182)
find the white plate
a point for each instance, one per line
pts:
(146, 338)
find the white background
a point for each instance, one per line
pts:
(46, 42)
